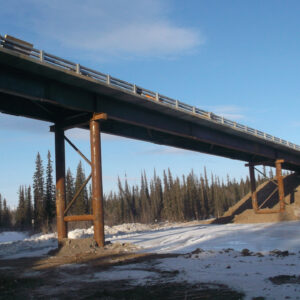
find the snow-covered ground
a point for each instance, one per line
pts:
(12, 236)
(220, 261)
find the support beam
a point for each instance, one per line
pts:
(97, 193)
(78, 218)
(279, 187)
(60, 183)
(280, 184)
(77, 194)
(253, 187)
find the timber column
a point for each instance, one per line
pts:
(97, 192)
(280, 184)
(60, 183)
(253, 187)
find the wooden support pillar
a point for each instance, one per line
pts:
(280, 184)
(97, 193)
(253, 188)
(60, 183)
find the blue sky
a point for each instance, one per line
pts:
(239, 59)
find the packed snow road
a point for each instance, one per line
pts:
(240, 256)
(168, 238)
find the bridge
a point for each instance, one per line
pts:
(39, 85)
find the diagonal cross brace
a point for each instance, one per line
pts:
(77, 194)
(78, 151)
(85, 182)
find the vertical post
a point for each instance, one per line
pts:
(97, 193)
(280, 184)
(60, 183)
(253, 187)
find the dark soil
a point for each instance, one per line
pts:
(15, 288)
(285, 279)
(51, 278)
(11, 287)
(170, 291)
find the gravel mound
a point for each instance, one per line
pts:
(75, 247)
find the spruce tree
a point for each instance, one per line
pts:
(1, 210)
(6, 216)
(145, 199)
(28, 206)
(70, 187)
(49, 202)
(21, 213)
(80, 205)
(38, 193)
(156, 196)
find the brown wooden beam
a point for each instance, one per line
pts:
(280, 184)
(60, 183)
(79, 218)
(97, 193)
(253, 187)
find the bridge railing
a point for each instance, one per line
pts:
(132, 88)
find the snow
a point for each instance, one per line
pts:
(138, 276)
(183, 239)
(248, 274)
(167, 238)
(11, 236)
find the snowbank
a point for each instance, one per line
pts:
(169, 238)
(11, 236)
(221, 261)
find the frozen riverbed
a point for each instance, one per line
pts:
(209, 253)
(168, 238)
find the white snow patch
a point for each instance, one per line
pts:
(11, 236)
(72, 266)
(137, 277)
(171, 238)
(255, 237)
(245, 273)
(31, 274)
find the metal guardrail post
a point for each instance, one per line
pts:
(156, 96)
(41, 55)
(78, 69)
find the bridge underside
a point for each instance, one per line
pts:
(126, 121)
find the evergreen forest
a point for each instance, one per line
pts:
(154, 199)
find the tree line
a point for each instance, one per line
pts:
(172, 198)
(166, 198)
(36, 206)
(5, 214)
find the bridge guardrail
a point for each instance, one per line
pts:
(132, 88)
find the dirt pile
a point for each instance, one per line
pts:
(88, 246)
(249, 216)
(242, 211)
